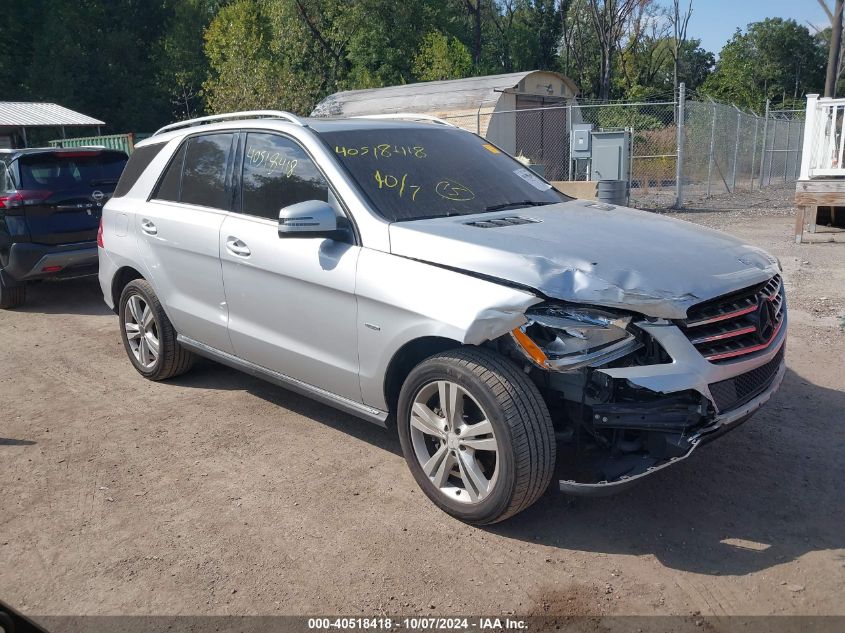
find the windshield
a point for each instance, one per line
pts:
(72, 171)
(416, 173)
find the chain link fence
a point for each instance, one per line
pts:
(722, 148)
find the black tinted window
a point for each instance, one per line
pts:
(204, 173)
(420, 172)
(138, 162)
(276, 173)
(170, 184)
(69, 170)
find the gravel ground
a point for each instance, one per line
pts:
(219, 494)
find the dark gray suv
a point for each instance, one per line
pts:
(51, 200)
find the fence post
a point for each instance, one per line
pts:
(478, 121)
(765, 139)
(679, 154)
(712, 148)
(775, 134)
(569, 139)
(788, 145)
(808, 136)
(754, 149)
(736, 147)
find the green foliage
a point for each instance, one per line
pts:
(529, 35)
(442, 57)
(695, 64)
(180, 59)
(126, 62)
(244, 71)
(85, 58)
(775, 59)
(138, 64)
(626, 116)
(581, 54)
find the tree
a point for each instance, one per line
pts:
(680, 22)
(645, 51)
(834, 56)
(245, 70)
(181, 61)
(441, 57)
(581, 52)
(107, 73)
(695, 64)
(388, 36)
(527, 34)
(775, 59)
(609, 18)
(474, 9)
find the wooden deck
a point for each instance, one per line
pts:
(827, 193)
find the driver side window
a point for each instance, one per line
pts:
(277, 173)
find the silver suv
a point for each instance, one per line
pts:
(415, 275)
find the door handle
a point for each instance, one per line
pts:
(237, 247)
(148, 227)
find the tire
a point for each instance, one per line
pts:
(11, 296)
(489, 388)
(171, 359)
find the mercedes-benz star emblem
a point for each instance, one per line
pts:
(765, 320)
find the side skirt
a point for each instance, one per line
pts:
(357, 409)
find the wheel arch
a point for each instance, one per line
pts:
(405, 359)
(121, 278)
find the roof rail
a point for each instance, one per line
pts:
(408, 116)
(233, 116)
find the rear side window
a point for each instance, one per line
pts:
(204, 172)
(71, 171)
(276, 173)
(138, 162)
(171, 183)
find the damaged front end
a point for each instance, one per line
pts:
(630, 395)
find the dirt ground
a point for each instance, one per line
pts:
(219, 494)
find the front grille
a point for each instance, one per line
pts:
(734, 392)
(741, 323)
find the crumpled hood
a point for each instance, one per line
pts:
(585, 252)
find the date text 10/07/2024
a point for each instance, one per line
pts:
(419, 624)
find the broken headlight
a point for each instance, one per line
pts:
(563, 338)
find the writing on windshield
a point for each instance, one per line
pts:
(413, 173)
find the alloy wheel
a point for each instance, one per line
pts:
(454, 442)
(141, 331)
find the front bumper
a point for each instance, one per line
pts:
(690, 371)
(29, 261)
(720, 425)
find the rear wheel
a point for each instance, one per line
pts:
(476, 434)
(11, 295)
(148, 335)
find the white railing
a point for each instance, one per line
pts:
(823, 155)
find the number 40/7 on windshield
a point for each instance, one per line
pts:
(399, 183)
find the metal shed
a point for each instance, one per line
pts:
(524, 113)
(17, 116)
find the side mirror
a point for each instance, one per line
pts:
(311, 218)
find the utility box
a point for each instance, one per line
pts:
(611, 155)
(579, 146)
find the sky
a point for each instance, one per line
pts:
(715, 21)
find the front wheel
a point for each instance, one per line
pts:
(476, 434)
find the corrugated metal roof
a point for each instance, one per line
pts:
(452, 94)
(24, 114)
